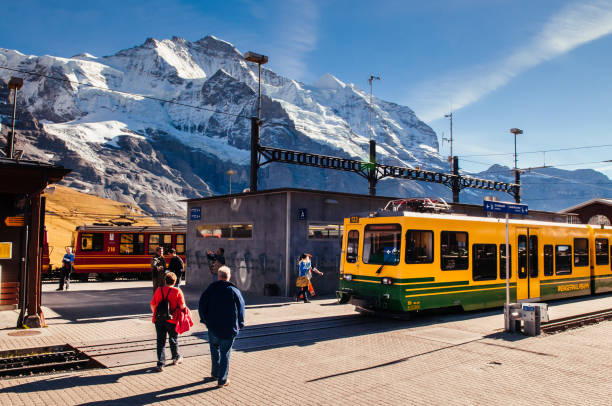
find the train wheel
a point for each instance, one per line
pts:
(107, 276)
(81, 277)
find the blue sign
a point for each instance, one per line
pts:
(503, 207)
(196, 213)
(301, 214)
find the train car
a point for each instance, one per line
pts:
(47, 267)
(113, 251)
(410, 261)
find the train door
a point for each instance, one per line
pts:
(528, 272)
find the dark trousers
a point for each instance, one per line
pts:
(159, 279)
(220, 351)
(64, 277)
(303, 291)
(163, 328)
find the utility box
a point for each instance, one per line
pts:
(533, 314)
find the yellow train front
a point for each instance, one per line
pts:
(409, 261)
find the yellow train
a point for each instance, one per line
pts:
(410, 261)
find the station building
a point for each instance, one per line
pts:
(22, 210)
(263, 234)
(595, 211)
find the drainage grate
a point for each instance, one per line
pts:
(56, 358)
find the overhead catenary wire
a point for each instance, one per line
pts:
(538, 152)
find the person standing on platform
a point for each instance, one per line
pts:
(222, 310)
(304, 277)
(215, 262)
(176, 266)
(166, 300)
(67, 265)
(158, 268)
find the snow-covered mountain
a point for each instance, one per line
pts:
(165, 120)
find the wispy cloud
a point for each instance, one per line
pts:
(296, 37)
(573, 26)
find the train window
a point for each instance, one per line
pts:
(502, 260)
(92, 242)
(454, 250)
(352, 246)
(131, 244)
(225, 231)
(419, 247)
(533, 256)
(601, 251)
(163, 240)
(484, 264)
(563, 259)
(522, 256)
(180, 244)
(324, 231)
(548, 260)
(581, 252)
(382, 244)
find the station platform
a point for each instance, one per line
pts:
(317, 353)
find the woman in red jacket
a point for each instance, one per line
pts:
(166, 300)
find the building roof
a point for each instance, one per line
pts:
(25, 176)
(285, 190)
(606, 201)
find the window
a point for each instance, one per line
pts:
(502, 260)
(484, 265)
(352, 246)
(548, 260)
(419, 247)
(522, 256)
(131, 244)
(180, 244)
(563, 259)
(454, 250)
(581, 252)
(92, 242)
(601, 251)
(533, 256)
(225, 231)
(324, 231)
(381, 244)
(163, 240)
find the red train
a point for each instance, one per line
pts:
(112, 251)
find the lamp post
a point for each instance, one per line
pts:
(517, 178)
(259, 60)
(450, 116)
(371, 79)
(14, 84)
(230, 173)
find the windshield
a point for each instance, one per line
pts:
(382, 243)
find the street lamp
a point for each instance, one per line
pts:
(230, 173)
(259, 60)
(14, 84)
(371, 79)
(517, 179)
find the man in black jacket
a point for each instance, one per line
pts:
(158, 268)
(176, 266)
(222, 310)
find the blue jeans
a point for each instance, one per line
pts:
(220, 349)
(162, 328)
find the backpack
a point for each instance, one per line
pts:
(162, 312)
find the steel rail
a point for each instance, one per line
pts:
(578, 320)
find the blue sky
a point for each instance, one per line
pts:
(543, 66)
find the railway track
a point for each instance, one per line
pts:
(43, 359)
(579, 320)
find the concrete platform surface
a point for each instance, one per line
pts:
(317, 353)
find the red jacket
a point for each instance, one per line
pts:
(183, 320)
(175, 298)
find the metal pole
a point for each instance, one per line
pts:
(259, 92)
(451, 131)
(372, 171)
(507, 263)
(456, 188)
(371, 128)
(11, 139)
(230, 188)
(254, 152)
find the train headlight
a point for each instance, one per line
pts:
(348, 277)
(386, 281)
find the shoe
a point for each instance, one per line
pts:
(178, 360)
(159, 368)
(222, 384)
(306, 301)
(59, 289)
